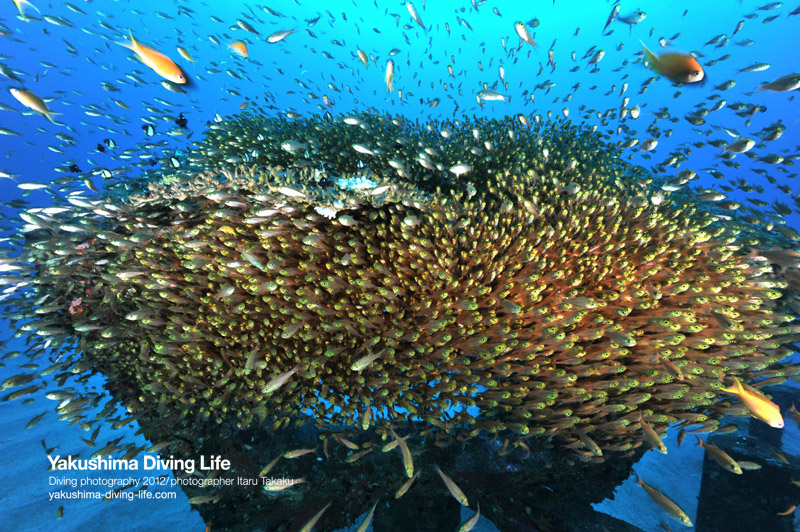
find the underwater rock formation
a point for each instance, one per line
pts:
(517, 284)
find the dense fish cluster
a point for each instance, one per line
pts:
(559, 303)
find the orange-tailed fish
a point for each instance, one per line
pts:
(720, 457)
(666, 504)
(239, 47)
(675, 66)
(31, 101)
(758, 405)
(160, 63)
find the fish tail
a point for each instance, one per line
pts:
(737, 388)
(130, 45)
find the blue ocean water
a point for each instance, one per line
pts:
(102, 92)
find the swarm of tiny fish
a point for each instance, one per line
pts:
(544, 294)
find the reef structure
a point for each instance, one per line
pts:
(522, 285)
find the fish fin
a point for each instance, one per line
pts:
(699, 441)
(737, 388)
(20, 3)
(125, 44)
(50, 114)
(650, 58)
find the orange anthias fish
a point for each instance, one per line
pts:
(760, 407)
(31, 101)
(160, 63)
(239, 47)
(675, 66)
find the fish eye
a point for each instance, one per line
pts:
(696, 73)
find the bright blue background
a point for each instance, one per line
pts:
(273, 72)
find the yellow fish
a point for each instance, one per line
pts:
(367, 519)
(314, 520)
(160, 63)
(652, 436)
(453, 488)
(185, 54)
(666, 504)
(362, 56)
(760, 407)
(20, 3)
(408, 462)
(471, 522)
(721, 457)
(31, 101)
